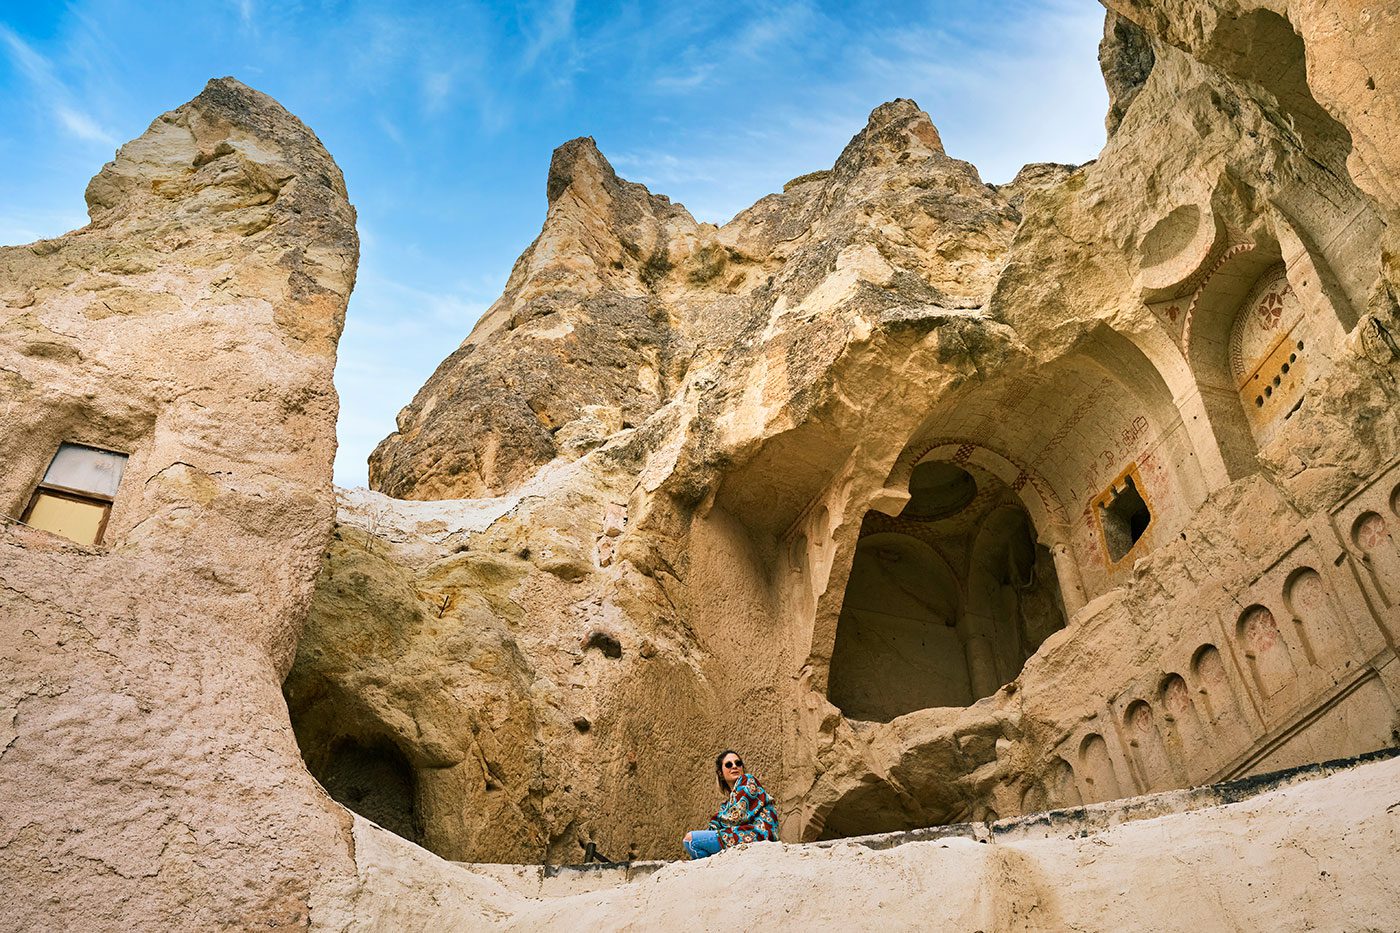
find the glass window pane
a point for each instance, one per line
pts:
(75, 520)
(86, 469)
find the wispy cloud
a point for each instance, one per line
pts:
(50, 93)
(766, 31)
(81, 125)
(437, 89)
(549, 25)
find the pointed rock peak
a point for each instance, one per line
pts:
(230, 87)
(896, 131)
(226, 117)
(228, 104)
(577, 160)
(901, 108)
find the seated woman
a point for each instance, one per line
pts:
(748, 815)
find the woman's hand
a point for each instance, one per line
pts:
(687, 837)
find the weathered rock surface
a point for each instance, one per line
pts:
(740, 490)
(624, 297)
(151, 778)
(1286, 860)
(939, 501)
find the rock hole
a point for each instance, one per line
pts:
(604, 642)
(376, 781)
(1125, 517)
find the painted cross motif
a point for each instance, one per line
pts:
(1371, 532)
(1270, 309)
(1260, 630)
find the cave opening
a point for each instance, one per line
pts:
(944, 602)
(375, 780)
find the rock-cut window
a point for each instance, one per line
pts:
(74, 499)
(1123, 516)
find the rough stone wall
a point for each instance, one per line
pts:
(552, 744)
(1056, 338)
(151, 777)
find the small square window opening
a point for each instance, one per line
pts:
(1124, 517)
(74, 499)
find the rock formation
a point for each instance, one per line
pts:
(942, 501)
(151, 778)
(973, 500)
(1285, 860)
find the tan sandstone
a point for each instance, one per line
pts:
(796, 575)
(943, 502)
(151, 777)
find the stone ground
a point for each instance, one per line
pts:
(1286, 854)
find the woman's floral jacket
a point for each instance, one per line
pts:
(749, 815)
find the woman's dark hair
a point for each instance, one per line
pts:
(724, 787)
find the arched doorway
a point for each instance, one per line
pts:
(944, 602)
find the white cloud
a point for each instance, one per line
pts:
(50, 93)
(752, 38)
(82, 126)
(437, 88)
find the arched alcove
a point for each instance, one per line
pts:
(897, 646)
(1013, 599)
(945, 602)
(1064, 437)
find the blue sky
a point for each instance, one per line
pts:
(443, 117)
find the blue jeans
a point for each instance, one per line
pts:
(703, 843)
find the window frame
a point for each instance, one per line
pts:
(75, 495)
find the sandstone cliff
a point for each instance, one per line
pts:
(942, 502)
(150, 775)
(623, 297)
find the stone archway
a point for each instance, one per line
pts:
(944, 602)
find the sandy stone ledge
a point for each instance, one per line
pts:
(1287, 859)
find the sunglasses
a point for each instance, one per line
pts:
(734, 764)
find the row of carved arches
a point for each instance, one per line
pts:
(1199, 719)
(1373, 534)
(1108, 451)
(1188, 713)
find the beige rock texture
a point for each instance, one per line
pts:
(942, 502)
(150, 777)
(1285, 860)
